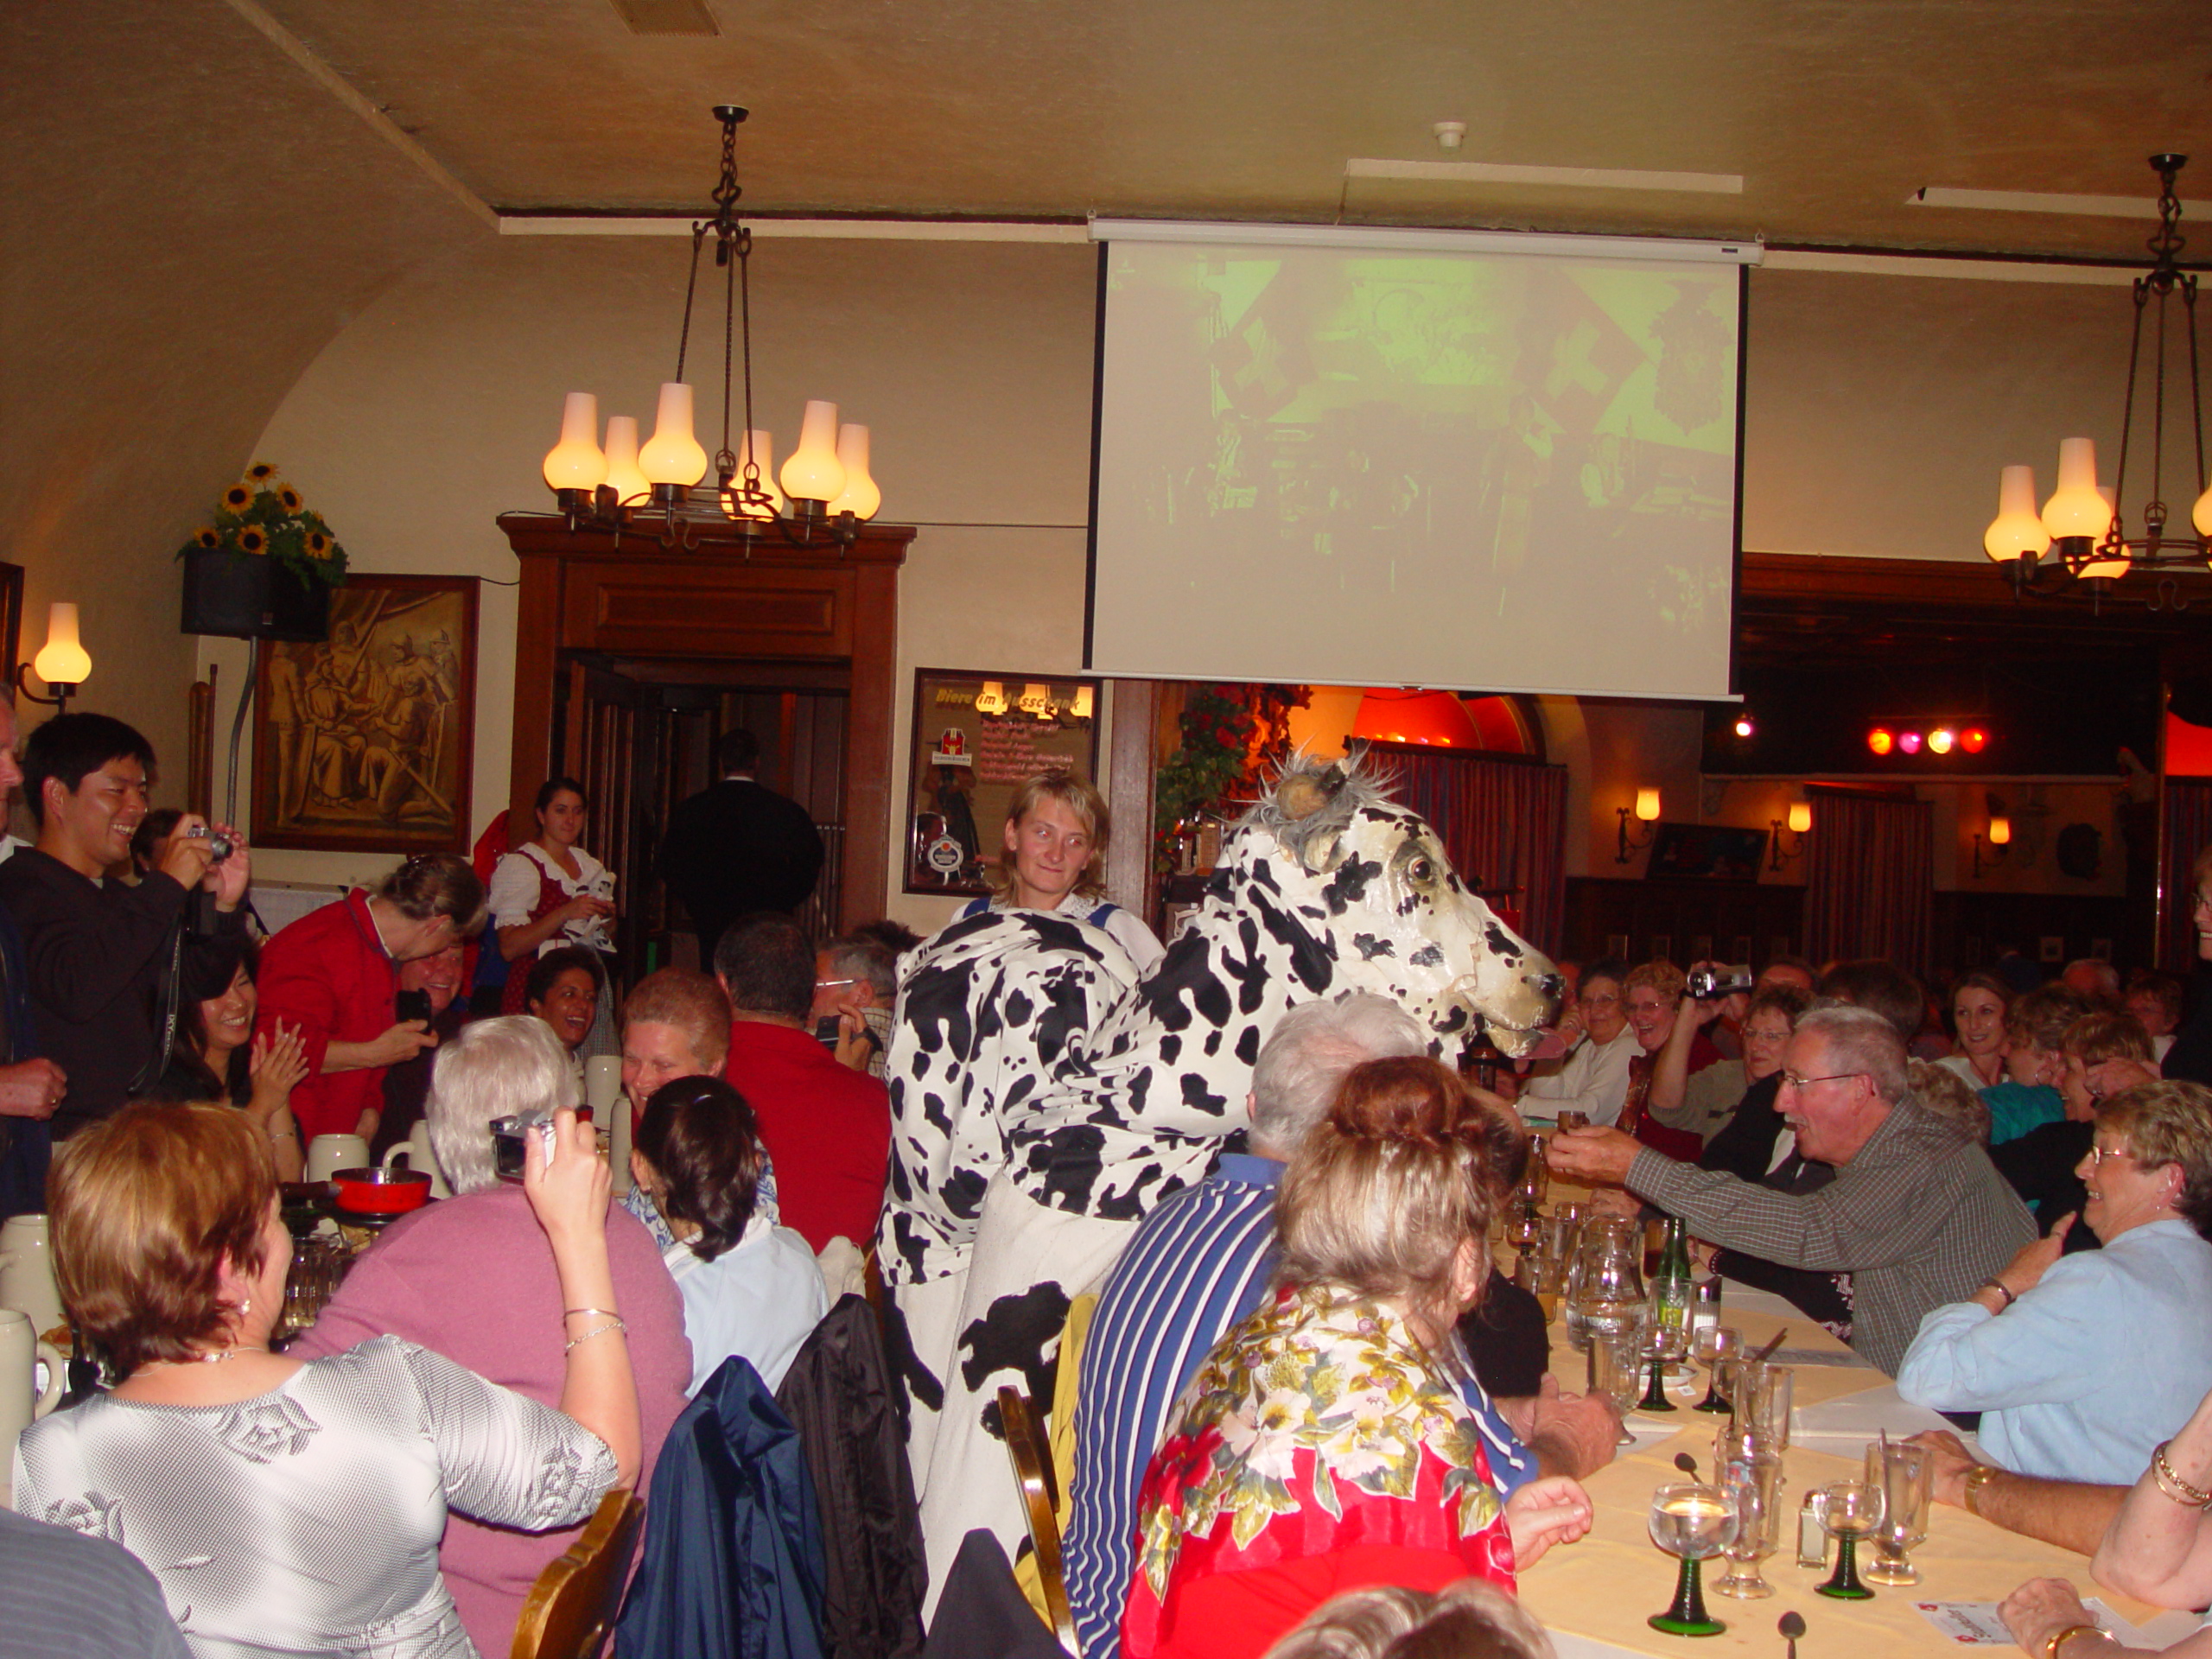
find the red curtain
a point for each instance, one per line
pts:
(1503, 822)
(2188, 832)
(1869, 879)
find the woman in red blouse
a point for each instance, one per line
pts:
(1325, 1445)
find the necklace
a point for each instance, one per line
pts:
(215, 1358)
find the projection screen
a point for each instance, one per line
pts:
(1472, 461)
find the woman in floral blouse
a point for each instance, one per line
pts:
(1325, 1445)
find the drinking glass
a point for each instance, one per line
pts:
(1760, 1394)
(1903, 1474)
(1572, 1120)
(1606, 1291)
(1665, 1341)
(1710, 1344)
(1755, 1487)
(1613, 1371)
(1692, 1522)
(1848, 1510)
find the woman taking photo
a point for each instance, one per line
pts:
(1980, 1005)
(292, 1506)
(216, 1057)
(549, 891)
(1055, 851)
(1325, 1444)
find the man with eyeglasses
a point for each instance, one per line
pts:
(1916, 1215)
(1594, 1077)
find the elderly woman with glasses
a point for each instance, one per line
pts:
(1594, 1079)
(2080, 1364)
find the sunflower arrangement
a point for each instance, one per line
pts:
(263, 517)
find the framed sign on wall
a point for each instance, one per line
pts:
(976, 735)
(366, 738)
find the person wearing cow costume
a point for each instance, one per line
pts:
(1056, 831)
(1045, 1095)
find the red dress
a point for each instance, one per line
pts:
(1318, 1450)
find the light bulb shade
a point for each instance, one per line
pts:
(814, 473)
(2201, 515)
(2106, 569)
(1647, 804)
(1908, 742)
(1881, 740)
(63, 660)
(576, 463)
(2016, 532)
(624, 476)
(1974, 740)
(860, 497)
(991, 699)
(1801, 817)
(1081, 710)
(673, 455)
(758, 446)
(2076, 508)
(1940, 740)
(1036, 699)
(2000, 832)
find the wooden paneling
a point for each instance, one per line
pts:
(1131, 766)
(1669, 918)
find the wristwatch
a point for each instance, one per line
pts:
(1977, 1477)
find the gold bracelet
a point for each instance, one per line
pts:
(2173, 1484)
(1977, 1477)
(596, 1331)
(2002, 1289)
(2050, 1647)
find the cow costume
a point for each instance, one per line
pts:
(1045, 1096)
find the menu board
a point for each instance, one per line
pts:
(977, 735)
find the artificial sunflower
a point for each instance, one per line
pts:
(318, 545)
(260, 473)
(206, 537)
(289, 499)
(238, 497)
(253, 539)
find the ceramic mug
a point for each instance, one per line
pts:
(22, 1401)
(27, 1272)
(602, 1085)
(328, 1154)
(415, 1152)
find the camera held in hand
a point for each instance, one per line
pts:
(218, 846)
(511, 1140)
(1709, 981)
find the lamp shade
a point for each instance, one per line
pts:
(2201, 515)
(63, 660)
(814, 473)
(673, 455)
(624, 476)
(2106, 569)
(860, 497)
(2000, 832)
(2076, 508)
(576, 463)
(758, 446)
(2016, 532)
(1647, 804)
(1801, 817)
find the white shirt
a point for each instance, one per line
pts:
(761, 1298)
(513, 893)
(1594, 1079)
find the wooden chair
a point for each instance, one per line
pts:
(1025, 1447)
(570, 1610)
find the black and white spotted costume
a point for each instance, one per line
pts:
(1045, 1097)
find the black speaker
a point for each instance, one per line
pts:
(244, 597)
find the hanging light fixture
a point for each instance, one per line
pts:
(827, 489)
(2083, 527)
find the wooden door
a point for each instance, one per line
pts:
(610, 739)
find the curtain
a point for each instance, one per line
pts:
(1503, 822)
(2188, 832)
(1869, 879)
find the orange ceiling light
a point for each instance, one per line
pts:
(1881, 740)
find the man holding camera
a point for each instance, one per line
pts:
(104, 959)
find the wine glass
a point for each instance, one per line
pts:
(1755, 1487)
(1691, 1520)
(1711, 1345)
(1665, 1342)
(1848, 1510)
(1904, 1473)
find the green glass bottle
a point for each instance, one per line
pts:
(1672, 1296)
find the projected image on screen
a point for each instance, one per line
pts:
(1496, 473)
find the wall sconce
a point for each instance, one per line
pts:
(1999, 839)
(1646, 812)
(63, 662)
(1799, 823)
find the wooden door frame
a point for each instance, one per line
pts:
(831, 616)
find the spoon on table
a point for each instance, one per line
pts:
(1780, 1336)
(1791, 1627)
(1686, 1464)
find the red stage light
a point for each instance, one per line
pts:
(1974, 740)
(1879, 741)
(1909, 742)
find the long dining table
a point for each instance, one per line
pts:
(1595, 1595)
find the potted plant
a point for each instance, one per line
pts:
(265, 566)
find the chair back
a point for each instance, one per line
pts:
(1025, 1447)
(570, 1611)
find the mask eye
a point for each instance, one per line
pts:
(1422, 872)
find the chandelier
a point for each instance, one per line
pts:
(2083, 527)
(826, 490)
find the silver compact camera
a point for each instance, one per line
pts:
(511, 1140)
(218, 846)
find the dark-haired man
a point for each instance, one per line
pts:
(102, 958)
(737, 847)
(827, 1126)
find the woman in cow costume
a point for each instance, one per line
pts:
(1045, 1095)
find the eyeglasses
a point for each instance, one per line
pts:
(1794, 1081)
(2098, 1154)
(1601, 1001)
(824, 984)
(1646, 1007)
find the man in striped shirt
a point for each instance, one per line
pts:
(1201, 1263)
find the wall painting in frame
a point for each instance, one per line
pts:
(365, 740)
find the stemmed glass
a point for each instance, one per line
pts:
(1711, 1347)
(1666, 1343)
(1903, 1474)
(1847, 1511)
(1691, 1520)
(1755, 1488)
